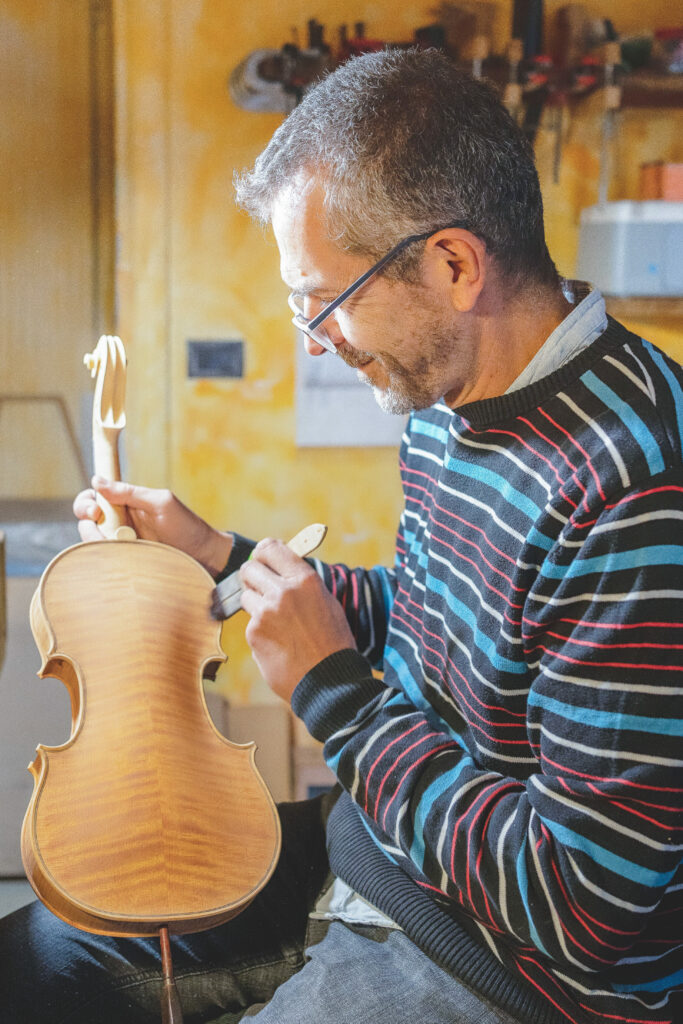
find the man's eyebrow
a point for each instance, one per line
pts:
(313, 288)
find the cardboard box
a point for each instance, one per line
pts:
(661, 181)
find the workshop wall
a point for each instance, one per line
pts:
(57, 237)
(191, 266)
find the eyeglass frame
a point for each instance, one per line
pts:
(307, 326)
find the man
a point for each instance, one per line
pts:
(506, 845)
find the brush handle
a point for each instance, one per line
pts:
(226, 596)
(307, 540)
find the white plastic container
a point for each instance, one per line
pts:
(633, 248)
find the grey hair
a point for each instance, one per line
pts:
(404, 143)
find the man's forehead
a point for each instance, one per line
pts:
(309, 260)
(299, 209)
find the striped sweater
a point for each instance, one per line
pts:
(513, 784)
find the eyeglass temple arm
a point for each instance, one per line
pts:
(330, 308)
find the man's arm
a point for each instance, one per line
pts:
(573, 860)
(366, 596)
(299, 616)
(155, 514)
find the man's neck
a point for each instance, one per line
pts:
(507, 334)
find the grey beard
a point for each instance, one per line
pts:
(407, 389)
(392, 400)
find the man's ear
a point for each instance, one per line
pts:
(459, 259)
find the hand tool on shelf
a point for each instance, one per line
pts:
(481, 47)
(612, 104)
(512, 94)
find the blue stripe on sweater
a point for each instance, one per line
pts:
(385, 575)
(539, 540)
(412, 698)
(409, 537)
(494, 480)
(498, 483)
(658, 985)
(483, 642)
(418, 426)
(415, 547)
(629, 418)
(406, 682)
(523, 882)
(376, 840)
(672, 381)
(606, 719)
(426, 803)
(613, 561)
(606, 859)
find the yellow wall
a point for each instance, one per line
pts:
(192, 266)
(56, 239)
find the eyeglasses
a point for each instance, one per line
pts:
(315, 327)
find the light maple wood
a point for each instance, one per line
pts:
(147, 819)
(107, 364)
(308, 540)
(147, 815)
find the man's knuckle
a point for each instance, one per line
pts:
(310, 580)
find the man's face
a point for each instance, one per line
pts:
(402, 338)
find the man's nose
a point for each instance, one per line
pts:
(331, 327)
(311, 306)
(313, 348)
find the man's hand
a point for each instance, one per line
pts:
(295, 621)
(154, 514)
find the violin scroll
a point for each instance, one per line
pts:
(107, 364)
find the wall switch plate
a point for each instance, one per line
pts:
(215, 358)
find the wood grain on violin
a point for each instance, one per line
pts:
(146, 817)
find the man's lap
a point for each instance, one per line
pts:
(371, 975)
(72, 977)
(254, 967)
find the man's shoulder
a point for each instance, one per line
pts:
(634, 393)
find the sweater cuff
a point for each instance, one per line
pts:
(242, 547)
(335, 692)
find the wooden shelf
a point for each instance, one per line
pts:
(647, 89)
(636, 307)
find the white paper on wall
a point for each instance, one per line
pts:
(335, 409)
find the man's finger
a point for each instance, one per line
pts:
(259, 576)
(85, 505)
(118, 492)
(89, 531)
(250, 601)
(277, 556)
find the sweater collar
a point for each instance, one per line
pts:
(586, 322)
(489, 411)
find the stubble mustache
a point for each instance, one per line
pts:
(354, 357)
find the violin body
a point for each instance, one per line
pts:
(147, 817)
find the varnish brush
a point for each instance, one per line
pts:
(227, 595)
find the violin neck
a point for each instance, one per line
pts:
(107, 465)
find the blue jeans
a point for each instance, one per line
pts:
(271, 964)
